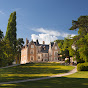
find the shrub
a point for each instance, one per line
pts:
(82, 67)
(67, 61)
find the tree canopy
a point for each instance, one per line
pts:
(81, 24)
(81, 40)
(10, 46)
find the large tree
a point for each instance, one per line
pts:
(83, 47)
(81, 40)
(11, 31)
(81, 24)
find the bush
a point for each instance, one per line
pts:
(67, 61)
(82, 67)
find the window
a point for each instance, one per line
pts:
(55, 53)
(55, 47)
(32, 58)
(38, 50)
(32, 46)
(31, 51)
(46, 59)
(55, 58)
(45, 55)
(38, 57)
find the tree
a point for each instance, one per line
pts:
(60, 43)
(1, 48)
(1, 35)
(81, 40)
(11, 31)
(65, 53)
(83, 47)
(6, 53)
(20, 43)
(64, 47)
(81, 24)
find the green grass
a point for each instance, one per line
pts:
(76, 80)
(32, 70)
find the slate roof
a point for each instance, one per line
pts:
(46, 48)
(42, 46)
(52, 43)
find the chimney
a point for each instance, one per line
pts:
(54, 43)
(44, 48)
(43, 42)
(37, 42)
(27, 41)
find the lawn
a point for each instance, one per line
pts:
(76, 80)
(32, 70)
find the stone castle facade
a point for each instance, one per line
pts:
(35, 52)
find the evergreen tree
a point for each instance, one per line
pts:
(1, 35)
(11, 31)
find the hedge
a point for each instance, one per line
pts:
(82, 67)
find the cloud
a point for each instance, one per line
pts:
(52, 32)
(1, 12)
(48, 35)
(43, 37)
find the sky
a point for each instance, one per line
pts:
(45, 20)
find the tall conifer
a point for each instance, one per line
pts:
(11, 31)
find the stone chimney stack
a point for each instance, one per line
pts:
(27, 41)
(37, 42)
(43, 42)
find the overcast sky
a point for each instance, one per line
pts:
(46, 20)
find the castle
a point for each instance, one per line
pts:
(35, 52)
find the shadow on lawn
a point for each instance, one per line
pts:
(36, 69)
(62, 82)
(37, 74)
(28, 72)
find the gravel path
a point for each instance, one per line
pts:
(10, 66)
(59, 75)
